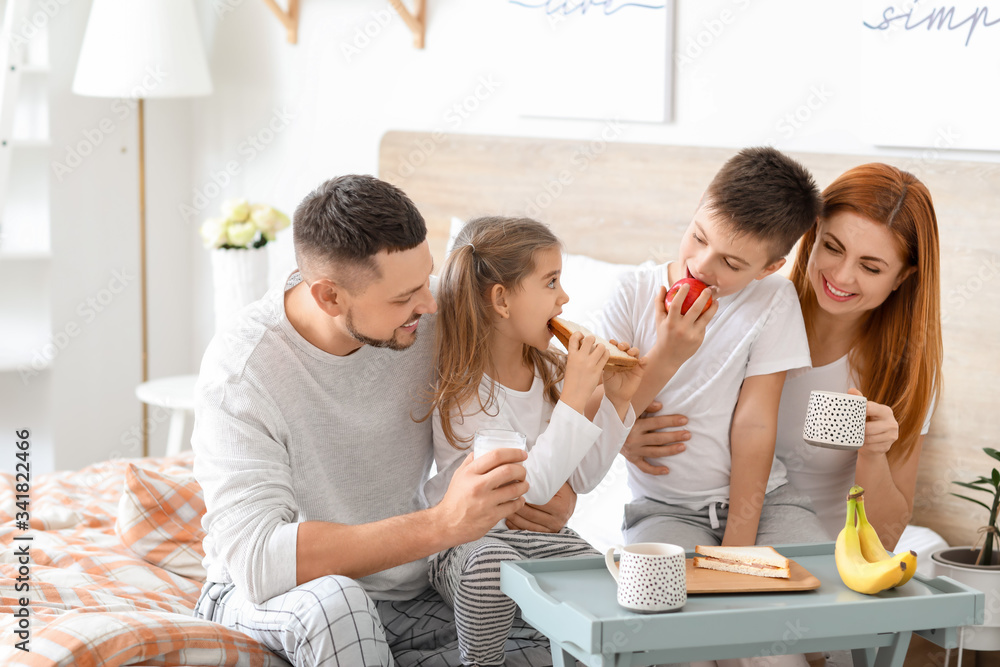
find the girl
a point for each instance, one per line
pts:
(498, 290)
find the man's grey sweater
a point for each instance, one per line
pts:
(286, 433)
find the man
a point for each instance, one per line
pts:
(312, 464)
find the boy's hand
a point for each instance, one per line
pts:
(678, 336)
(620, 386)
(584, 369)
(482, 492)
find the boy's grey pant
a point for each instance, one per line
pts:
(787, 517)
(331, 621)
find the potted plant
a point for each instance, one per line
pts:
(239, 260)
(979, 567)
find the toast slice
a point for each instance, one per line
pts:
(755, 561)
(563, 329)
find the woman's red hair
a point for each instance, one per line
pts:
(898, 352)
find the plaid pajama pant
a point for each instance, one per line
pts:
(331, 621)
(468, 577)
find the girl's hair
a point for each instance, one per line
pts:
(898, 352)
(488, 251)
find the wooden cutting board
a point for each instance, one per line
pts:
(700, 580)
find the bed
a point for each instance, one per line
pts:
(115, 548)
(96, 596)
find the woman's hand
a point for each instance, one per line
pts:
(584, 369)
(881, 427)
(647, 440)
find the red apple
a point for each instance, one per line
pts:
(695, 288)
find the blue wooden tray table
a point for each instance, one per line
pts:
(572, 601)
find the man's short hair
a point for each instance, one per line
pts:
(761, 192)
(340, 226)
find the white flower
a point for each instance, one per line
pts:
(236, 210)
(269, 220)
(241, 233)
(213, 232)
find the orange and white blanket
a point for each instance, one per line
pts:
(92, 601)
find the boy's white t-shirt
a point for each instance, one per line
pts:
(563, 445)
(757, 331)
(825, 475)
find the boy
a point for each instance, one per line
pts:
(724, 366)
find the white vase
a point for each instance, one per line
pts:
(240, 278)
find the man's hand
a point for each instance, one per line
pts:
(647, 440)
(481, 493)
(548, 518)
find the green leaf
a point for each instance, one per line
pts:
(974, 487)
(972, 500)
(996, 477)
(992, 452)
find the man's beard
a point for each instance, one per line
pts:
(390, 343)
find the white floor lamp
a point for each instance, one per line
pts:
(137, 50)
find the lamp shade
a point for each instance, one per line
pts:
(142, 49)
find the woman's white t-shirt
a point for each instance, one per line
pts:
(823, 474)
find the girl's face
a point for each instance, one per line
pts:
(855, 264)
(538, 299)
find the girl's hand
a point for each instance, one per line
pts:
(584, 368)
(648, 440)
(881, 427)
(620, 386)
(678, 336)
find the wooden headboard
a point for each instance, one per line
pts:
(631, 202)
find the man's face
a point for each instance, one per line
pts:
(386, 312)
(711, 253)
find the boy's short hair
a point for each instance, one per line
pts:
(766, 194)
(341, 225)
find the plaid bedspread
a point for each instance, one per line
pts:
(92, 602)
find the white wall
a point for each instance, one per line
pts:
(758, 62)
(95, 237)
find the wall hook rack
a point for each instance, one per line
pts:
(416, 20)
(289, 18)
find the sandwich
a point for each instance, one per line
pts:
(563, 329)
(756, 561)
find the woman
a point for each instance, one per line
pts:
(868, 282)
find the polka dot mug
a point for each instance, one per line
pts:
(650, 575)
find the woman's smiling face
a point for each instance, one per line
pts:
(855, 264)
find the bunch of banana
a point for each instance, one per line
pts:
(862, 561)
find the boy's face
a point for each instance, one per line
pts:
(711, 253)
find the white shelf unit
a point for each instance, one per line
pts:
(27, 345)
